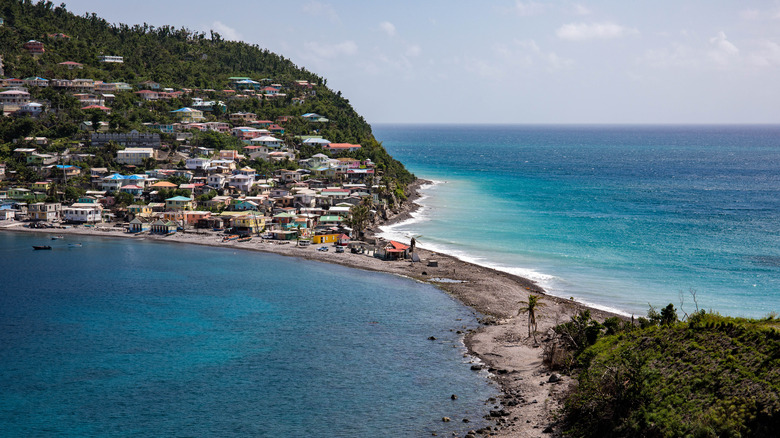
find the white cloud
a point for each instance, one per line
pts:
(722, 51)
(413, 50)
(321, 50)
(388, 28)
(587, 31)
(319, 9)
(767, 54)
(226, 31)
(527, 9)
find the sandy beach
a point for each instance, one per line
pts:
(529, 400)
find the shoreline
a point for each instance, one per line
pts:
(528, 401)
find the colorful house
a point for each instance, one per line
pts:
(178, 203)
(163, 227)
(139, 225)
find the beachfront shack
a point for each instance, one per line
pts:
(139, 225)
(393, 251)
(163, 227)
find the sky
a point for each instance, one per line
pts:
(523, 62)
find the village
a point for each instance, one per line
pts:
(160, 181)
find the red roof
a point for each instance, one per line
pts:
(99, 107)
(341, 146)
(398, 246)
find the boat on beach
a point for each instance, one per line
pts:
(229, 238)
(245, 239)
(41, 247)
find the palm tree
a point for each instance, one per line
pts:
(530, 306)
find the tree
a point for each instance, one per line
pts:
(358, 218)
(530, 307)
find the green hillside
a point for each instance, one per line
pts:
(174, 58)
(709, 376)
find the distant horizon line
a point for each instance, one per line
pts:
(583, 124)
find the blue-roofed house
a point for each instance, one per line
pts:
(188, 115)
(178, 203)
(314, 117)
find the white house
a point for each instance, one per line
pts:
(134, 156)
(197, 163)
(241, 182)
(217, 181)
(84, 214)
(267, 141)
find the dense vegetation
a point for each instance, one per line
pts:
(707, 376)
(176, 58)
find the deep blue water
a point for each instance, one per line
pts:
(616, 216)
(134, 338)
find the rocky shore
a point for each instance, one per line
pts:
(530, 393)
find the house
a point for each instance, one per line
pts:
(132, 139)
(197, 163)
(148, 95)
(267, 141)
(149, 85)
(188, 115)
(139, 225)
(132, 189)
(33, 47)
(248, 223)
(14, 98)
(244, 205)
(243, 183)
(241, 118)
(217, 181)
(139, 210)
(163, 227)
(71, 65)
(114, 59)
(36, 81)
(44, 211)
(329, 221)
(316, 142)
(33, 109)
(163, 185)
(341, 147)
(178, 203)
(230, 154)
(314, 117)
(394, 251)
(91, 214)
(113, 183)
(134, 156)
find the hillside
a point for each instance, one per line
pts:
(192, 64)
(709, 376)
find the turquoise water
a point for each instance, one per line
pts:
(134, 338)
(618, 217)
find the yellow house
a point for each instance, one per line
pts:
(41, 186)
(139, 209)
(251, 223)
(325, 238)
(178, 203)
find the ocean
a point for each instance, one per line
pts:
(618, 217)
(140, 338)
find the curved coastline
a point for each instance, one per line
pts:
(528, 401)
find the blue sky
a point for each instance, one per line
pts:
(510, 61)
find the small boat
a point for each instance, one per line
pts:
(74, 245)
(229, 238)
(39, 247)
(245, 239)
(57, 237)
